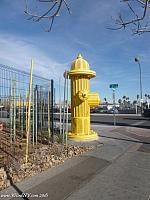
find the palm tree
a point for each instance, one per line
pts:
(146, 98)
(127, 102)
(106, 101)
(124, 100)
(127, 99)
(119, 101)
(148, 103)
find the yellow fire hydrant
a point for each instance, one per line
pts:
(81, 100)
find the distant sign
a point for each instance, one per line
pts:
(113, 86)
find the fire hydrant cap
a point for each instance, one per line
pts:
(81, 66)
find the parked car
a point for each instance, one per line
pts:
(112, 110)
(146, 112)
(99, 110)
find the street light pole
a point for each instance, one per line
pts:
(114, 105)
(141, 96)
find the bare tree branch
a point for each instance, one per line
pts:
(142, 2)
(137, 20)
(53, 8)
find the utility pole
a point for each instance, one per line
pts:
(114, 105)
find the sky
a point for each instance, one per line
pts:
(110, 53)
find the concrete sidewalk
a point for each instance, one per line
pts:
(116, 170)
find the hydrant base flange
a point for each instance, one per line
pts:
(92, 135)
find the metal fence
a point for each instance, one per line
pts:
(14, 113)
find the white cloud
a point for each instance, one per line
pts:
(18, 52)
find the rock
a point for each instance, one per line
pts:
(70, 154)
(41, 158)
(3, 179)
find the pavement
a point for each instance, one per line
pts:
(119, 169)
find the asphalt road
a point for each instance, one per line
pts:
(121, 120)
